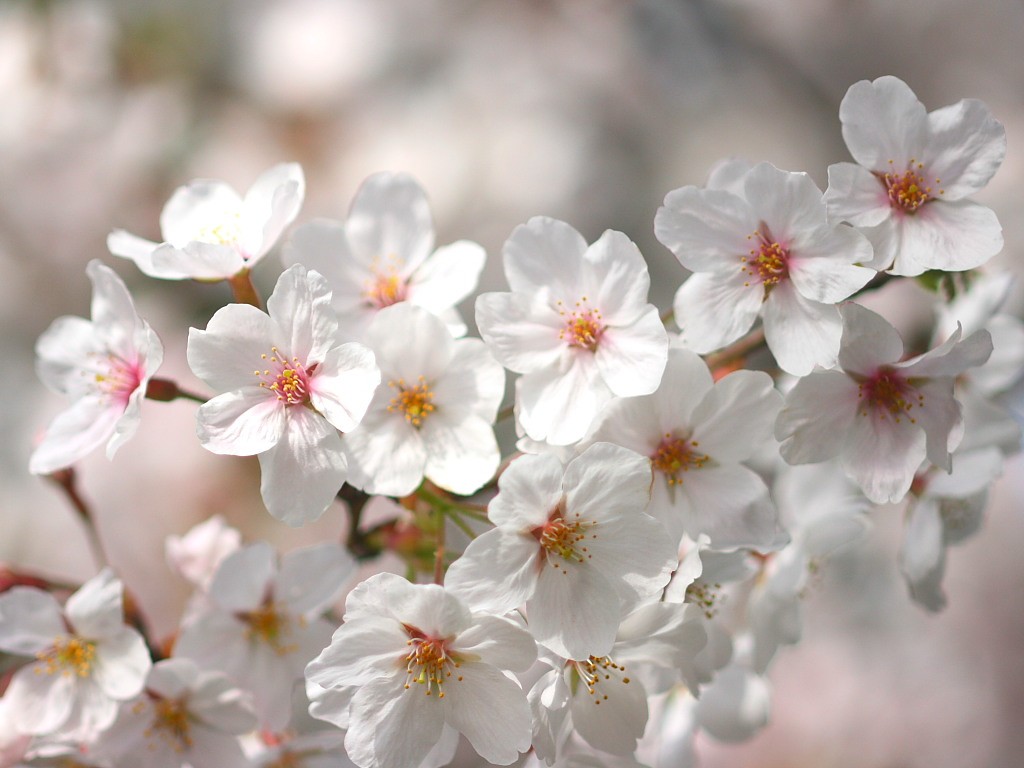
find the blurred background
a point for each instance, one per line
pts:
(585, 110)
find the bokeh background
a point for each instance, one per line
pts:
(586, 110)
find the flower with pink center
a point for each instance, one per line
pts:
(104, 365)
(573, 544)
(384, 254)
(880, 414)
(576, 325)
(289, 385)
(211, 233)
(759, 244)
(420, 667)
(915, 170)
(697, 434)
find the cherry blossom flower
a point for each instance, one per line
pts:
(696, 433)
(915, 170)
(211, 233)
(434, 416)
(604, 699)
(288, 386)
(577, 325)
(185, 715)
(573, 544)
(263, 623)
(881, 415)
(422, 665)
(104, 365)
(383, 255)
(199, 553)
(86, 659)
(759, 243)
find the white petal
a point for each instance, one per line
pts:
(966, 146)
(75, 433)
(528, 491)
(613, 717)
(193, 206)
(391, 727)
(344, 385)
(96, 609)
(721, 502)
(30, 621)
(558, 406)
(952, 358)
(543, 257)
(868, 341)
(607, 482)
(632, 358)
(361, 650)
(826, 270)
(490, 711)
(311, 578)
(390, 220)
(386, 455)
(302, 474)
(736, 417)
(882, 456)
(129, 246)
(952, 236)
(270, 205)
(201, 261)
(473, 382)
(856, 195)
(635, 554)
(241, 423)
(450, 275)
(942, 421)
(574, 611)
(735, 706)
(499, 642)
(462, 455)
(39, 703)
(713, 309)
(497, 572)
(922, 551)
(300, 307)
(789, 203)
(883, 121)
(801, 333)
(409, 342)
(521, 331)
(705, 228)
(121, 664)
(243, 578)
(616, 278)
(819, 412)
(227, 354)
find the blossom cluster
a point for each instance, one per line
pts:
(621, 579)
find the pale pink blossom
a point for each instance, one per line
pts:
(915, 171)
(104, 365)
(212, 233)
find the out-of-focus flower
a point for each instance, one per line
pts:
(881, 415)
(199, 553)
(434, 416)
(908, 193)
(759, 243)
(211, 233)
(104, 364)
(421, 664)
(86, 659)
(576, 325)
(184, 715)
(383, 254)
(262, 623)
(573, 544)
(288, 386)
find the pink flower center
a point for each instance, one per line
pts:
(429, 663)
(385, 289)
(674, 456)
(909, 190)
(119, 378)
(887, 394)
(416, 401)
(269, 625)
(583, 325)
(172, 723)
(594, 672)
(562, 540)
(767, 262)
(287, 379)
